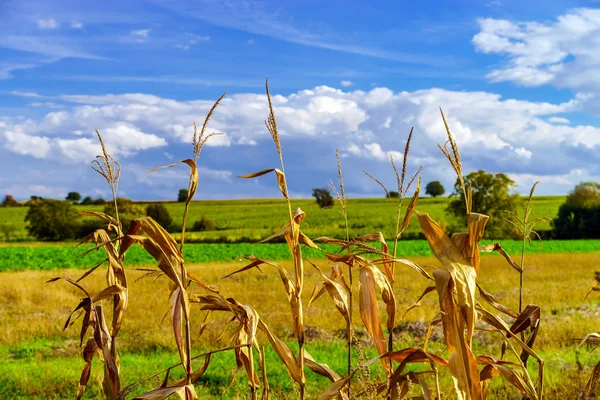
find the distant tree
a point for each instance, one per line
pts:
(435, 189)
(182, 196)
(585, 195)
(579, 216)
(491, 195)
(87, 200)
(33, 198)
(392, 195)
(203, 224)
(52, 220)
(9, 201)
(160, 214)
(323, 196)
(73, 197)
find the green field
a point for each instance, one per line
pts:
(252, 220)
(65, 255)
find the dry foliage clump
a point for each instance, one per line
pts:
(464, 306)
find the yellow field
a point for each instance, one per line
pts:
(32, 310)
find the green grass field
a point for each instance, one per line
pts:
(252, 220)
(65, 255)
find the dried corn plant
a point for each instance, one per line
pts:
(293, 284)
(103, 341)
(456, 285)
(592, 339)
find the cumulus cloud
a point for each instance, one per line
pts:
(564, 52)
(495, 133)
(346, 83)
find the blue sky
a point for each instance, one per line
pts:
(517, 81)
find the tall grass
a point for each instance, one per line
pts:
(459, 307)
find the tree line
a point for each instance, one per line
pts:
(492, 194)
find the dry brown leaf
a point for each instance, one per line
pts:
(369, 311)
(411, 208)
(185, 392)
(462, 362)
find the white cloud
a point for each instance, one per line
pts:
(77, 25)
(346, 83)
(21, 143)
(143, 33)
(523, 152)
(564, 52)
(138, 36)
(558, 120)
(494, 133)
(49, 23)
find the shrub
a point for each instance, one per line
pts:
(435, 189)
(182, 196)
(160, 214)
(99, 201)
(203, 224)
(393, 195)
(7, 230)
(52, 220)
(9, 201)
(323, 196)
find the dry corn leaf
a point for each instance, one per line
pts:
(103, 340)
(593, 381)
(88, 356)
(339, 294)
(517, 377)
(321, 369)
(280, 178)
(246, 334)
(462, 362)
(411, 208)
(185, 392)
(369, 311)
(284, 352)
(333, 391)
(177, 322)
(196, 375)
(378, 237)
(193, 176)
(488, 248)
(452, 258)
(493, 301)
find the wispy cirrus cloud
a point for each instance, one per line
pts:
(253, 17)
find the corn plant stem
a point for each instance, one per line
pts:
(251, 362)
(263, 366)
(188, 332)
(521, 273)
(391, 332)
(299, 285)
(350, 308)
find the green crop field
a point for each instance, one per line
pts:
(65, 255)
(252, 220)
